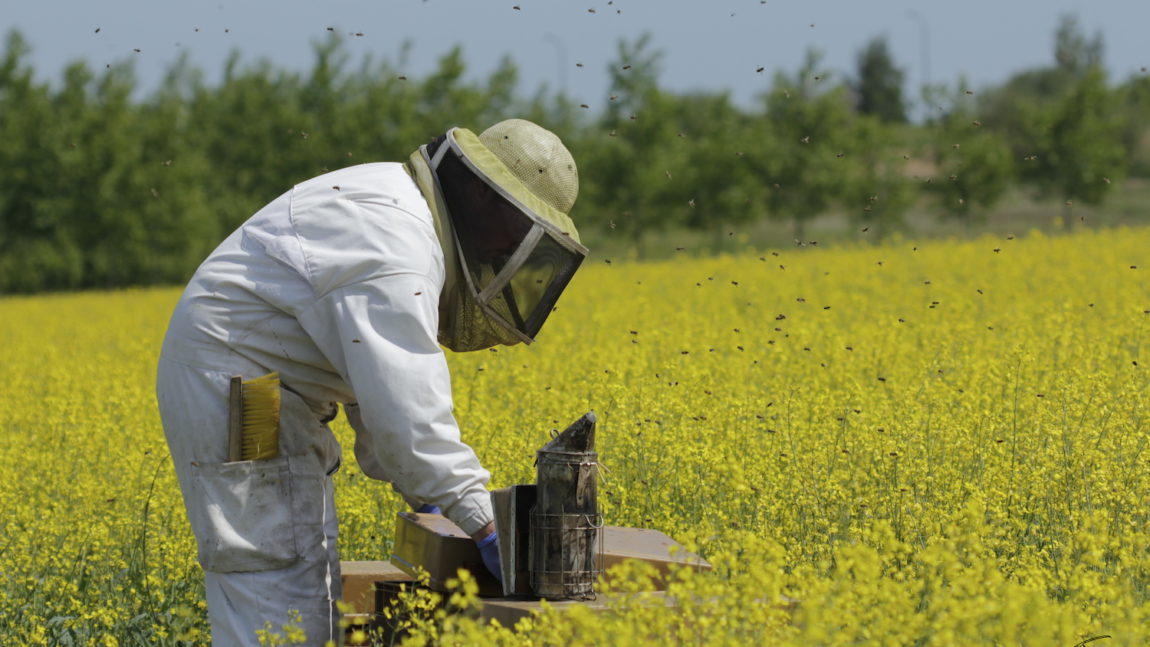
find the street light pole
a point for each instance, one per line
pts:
(924, 52)
(560, 60)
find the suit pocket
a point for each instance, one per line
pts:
(244, 516)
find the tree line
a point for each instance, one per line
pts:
(100, 187)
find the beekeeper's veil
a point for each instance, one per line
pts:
(509, 244)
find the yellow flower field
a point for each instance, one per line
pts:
(939, 443)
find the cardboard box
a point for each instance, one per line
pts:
(360, 580)
(436, 545)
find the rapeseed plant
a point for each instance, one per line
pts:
(921, 444)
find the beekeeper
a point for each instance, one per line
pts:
(346, 286)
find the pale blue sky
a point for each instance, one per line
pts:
(708, 45)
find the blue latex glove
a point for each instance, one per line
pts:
(489, 549)
(429, 508)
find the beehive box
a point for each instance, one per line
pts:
(436, 545)
(621, 544)
(361, 579)
(432, 543)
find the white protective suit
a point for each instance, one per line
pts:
(336, 286)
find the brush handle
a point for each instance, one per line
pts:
(236, 419)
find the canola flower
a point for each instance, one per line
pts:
(934, 443)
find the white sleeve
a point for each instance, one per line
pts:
(381, 335)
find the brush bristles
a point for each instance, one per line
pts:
(261, 404)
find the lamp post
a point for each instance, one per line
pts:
(560, 60)
(924, 52)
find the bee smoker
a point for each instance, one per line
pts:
(565, 522)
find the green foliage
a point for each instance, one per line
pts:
(1134, 104)
(101, 186)
(1077, 143)
(1009, 108)
(879, 190)
(1063, 124)
(631, 167)
(809, 121)
(1074, 53)
(974, 164)
(878, 86)
(656, 160)
(98, 189)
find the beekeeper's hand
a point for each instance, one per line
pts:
(489, 550)
(429, 508)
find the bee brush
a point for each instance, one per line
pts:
(253, 418)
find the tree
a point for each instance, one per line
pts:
(1077, 143)
(1134, 104)
(1074, 53)
(632, 168)
(808, 119)
(35, 252)
(878, 83)
(878, 191)
(1008, 108)
(974, 164)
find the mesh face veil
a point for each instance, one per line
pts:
(516, 260)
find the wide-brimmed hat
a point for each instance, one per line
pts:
(530, 163)
(507, 194)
